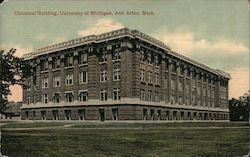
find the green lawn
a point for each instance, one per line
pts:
(125, 139)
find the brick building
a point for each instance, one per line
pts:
(121, 75)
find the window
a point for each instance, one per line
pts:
(157, 98)
(83, 77)
(172, 99)
(180, 86)
(83, 58)
(56, 98)
(69, 79)
(56, 62)
(142, 56)
(156, 60)
(55, 114)
(56, 81)
(103, 76)
(45, 82)
(116, 54)
(81, 114)
(28, 100)
(188, 72)
(150, 95)
(182, 70)
(193, 83)
(67, 114)
(212, 95)
(68, 60)
(116, 94)
(150, 77)
(173, 84)
(44, 115)
(149, 57)
(44, 65)
(157, 79)
(144, 114)
(45, 99)
(199, 89)
(142, 95)
(28, 88)
(193, 98)
(187, 101)
(208, 93)
(116, 74)
(204, 90)
(173, 67)
(69, 97)
(187, 88)
(103, 95)
(103, 55)
(142, 75)
(83, 96)
(115, 113)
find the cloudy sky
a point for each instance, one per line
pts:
(214, 32)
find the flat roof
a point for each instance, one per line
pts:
(124, 32)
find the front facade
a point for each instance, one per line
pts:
(121, 75)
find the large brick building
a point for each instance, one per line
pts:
(121, 75)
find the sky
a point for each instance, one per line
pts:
(214, 32)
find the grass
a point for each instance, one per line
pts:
(126, 140)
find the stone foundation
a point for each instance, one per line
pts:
(120, 113)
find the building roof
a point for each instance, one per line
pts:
(117, 34)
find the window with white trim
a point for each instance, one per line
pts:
(204, 90)
(45, 82)
(56, 81)
(28, 88)
(45, 99)
(56, 98)
(149, 57)
(69, 61)
(28, 100)
(103, 55)
(143, 95)
(83, 96)
(103, 76)
(56, 63)
(157, 79)
(173, 84)
(83, 77)
(116, 74)
(83, 58)
(142, 56)
(150, 95)
(103, 95)
(142, 75)
(157, 97)
(44, 65)
(150, 77)
(69, 79)
(69, 97)
(116, 94)
(180, 86)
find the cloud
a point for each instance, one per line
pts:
(41, 36)
(184, 41)
(20, 49)
(239, 84)
(100, 26)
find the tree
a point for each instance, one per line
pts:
(239, 110)
(13, 70)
